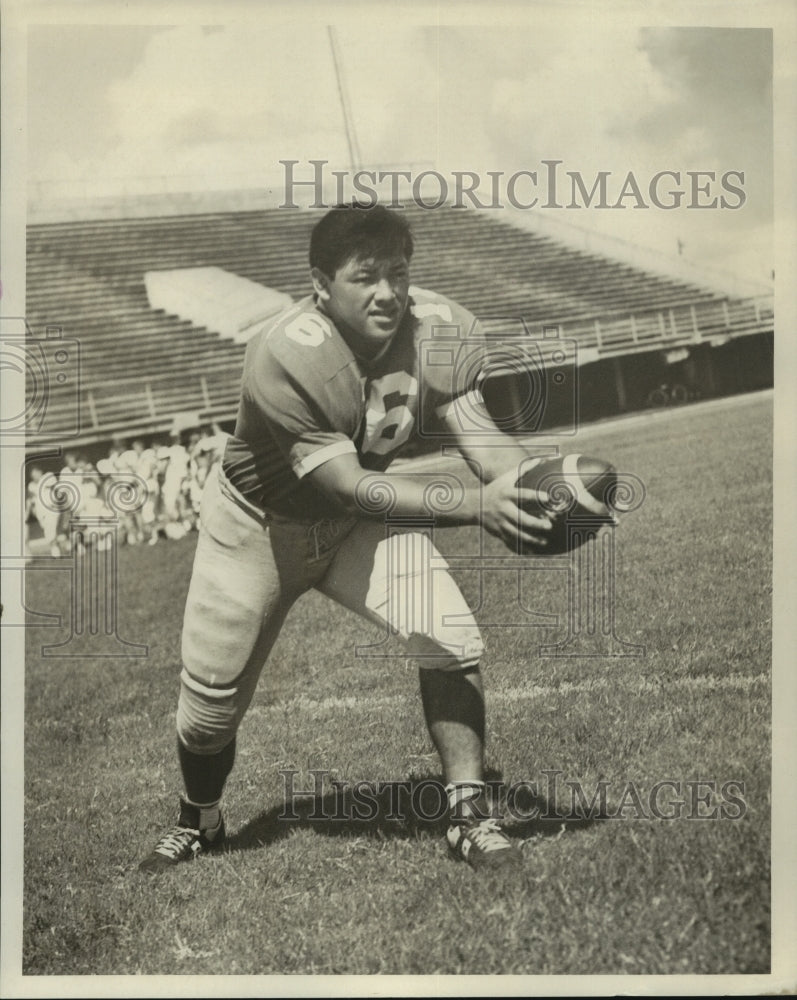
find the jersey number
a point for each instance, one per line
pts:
(388, 418)
(308, 330)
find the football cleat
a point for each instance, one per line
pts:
(183, 842)
(483, 844)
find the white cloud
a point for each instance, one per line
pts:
(224, 103)
(583, 105)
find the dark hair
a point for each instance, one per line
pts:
(356, 231)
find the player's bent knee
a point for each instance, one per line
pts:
(417, 596)
(463, 652)
(207, 718)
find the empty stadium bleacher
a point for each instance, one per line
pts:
(139, 365)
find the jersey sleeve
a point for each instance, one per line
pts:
(452, 351)
(307, 405)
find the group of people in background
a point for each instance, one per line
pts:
(159, 488)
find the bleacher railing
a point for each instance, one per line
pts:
(714, 322)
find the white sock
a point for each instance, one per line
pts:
(209, 814)
(462, 791)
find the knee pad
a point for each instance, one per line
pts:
(207, 718)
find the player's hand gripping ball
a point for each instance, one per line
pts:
(576, 493)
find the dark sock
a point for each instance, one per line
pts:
(204, 774)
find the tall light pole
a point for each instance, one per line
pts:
(351, 135)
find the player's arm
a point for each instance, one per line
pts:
(460, 406)
(489, 452)
(495, 457)
(362, 493)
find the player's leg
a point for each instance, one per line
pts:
(403, 583)
(237, 601)
(453, 706)
(173, 527)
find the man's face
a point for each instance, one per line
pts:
(366, 299)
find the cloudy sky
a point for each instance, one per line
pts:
(228, 102)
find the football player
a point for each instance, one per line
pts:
(331, 390)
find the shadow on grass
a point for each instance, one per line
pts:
(405, 810)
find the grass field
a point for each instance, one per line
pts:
(595, 895)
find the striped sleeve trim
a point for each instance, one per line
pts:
(317, 458)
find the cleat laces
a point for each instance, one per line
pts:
(488, 836)
(179, 843)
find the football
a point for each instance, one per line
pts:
(576, 493)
